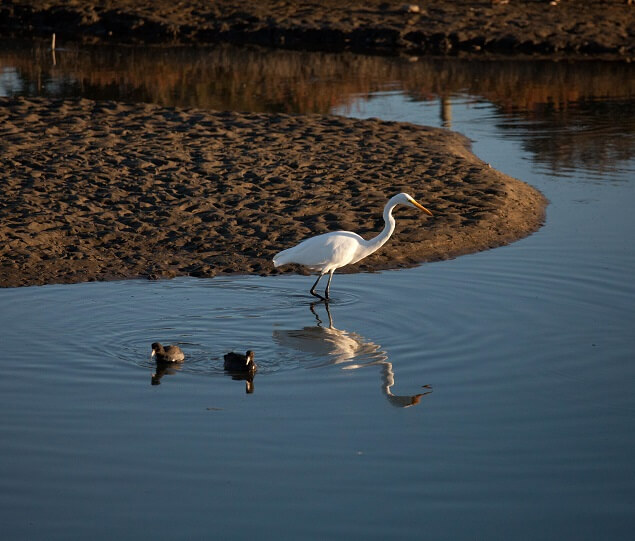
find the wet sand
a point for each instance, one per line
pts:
(104, 190)
(569, 28)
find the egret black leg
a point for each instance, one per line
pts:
(328, 285)
(314, 286)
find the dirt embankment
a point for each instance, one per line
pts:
(102, 190)
(550, 28)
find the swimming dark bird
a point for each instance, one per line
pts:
(330, 251)
(170, 354)
(237, 362)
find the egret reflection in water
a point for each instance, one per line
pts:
(329, 345)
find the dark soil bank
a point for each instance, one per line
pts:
(554, 28)
(101, 190)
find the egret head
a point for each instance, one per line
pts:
(409, 200)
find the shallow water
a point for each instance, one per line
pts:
(483, 397)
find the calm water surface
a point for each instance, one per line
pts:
(487, 397)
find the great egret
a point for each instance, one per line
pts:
(236, 362)
(170, 354)
(330, 251)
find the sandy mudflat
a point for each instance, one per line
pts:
(103, 190)
(564, 28)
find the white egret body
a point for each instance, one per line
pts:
(330, 251)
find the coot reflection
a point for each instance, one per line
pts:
(163, 368)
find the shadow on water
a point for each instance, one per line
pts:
(328, 345)
(531, 96)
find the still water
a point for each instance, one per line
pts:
(487, 397)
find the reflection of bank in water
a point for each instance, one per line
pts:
(578, 99)
(334, 346)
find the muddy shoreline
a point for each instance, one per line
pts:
(105, 190)
(565, 28)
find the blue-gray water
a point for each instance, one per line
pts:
(516, 365)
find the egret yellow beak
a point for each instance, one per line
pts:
(421, 207)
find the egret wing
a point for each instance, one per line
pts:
(324, 252)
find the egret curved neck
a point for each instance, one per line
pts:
(377, 242)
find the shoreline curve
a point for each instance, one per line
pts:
(106, 190)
